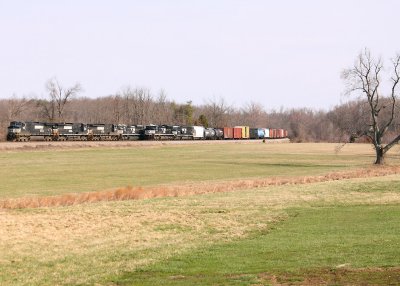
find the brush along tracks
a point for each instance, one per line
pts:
(137, 193)
(41, 145)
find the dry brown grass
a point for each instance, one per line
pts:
(86, 243)
(60, 145)
(137, 193)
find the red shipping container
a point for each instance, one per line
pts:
(237, 133)
(228, 133)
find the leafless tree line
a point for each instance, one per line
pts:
(343, 123)
(346, 122)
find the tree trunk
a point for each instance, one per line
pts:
(379, 155)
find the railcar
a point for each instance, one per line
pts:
(70, 131)
(257, 133)
(209, 134)
(131, 132)
(24, 131)
(105, 132)
(245, 132)
(162, 132)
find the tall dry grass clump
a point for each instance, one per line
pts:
(137, 193)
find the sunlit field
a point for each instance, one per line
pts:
(334, 232)
(51, 172)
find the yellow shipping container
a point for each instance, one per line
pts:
(245, 131)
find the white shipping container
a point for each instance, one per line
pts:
(198, 132)
(266, 133)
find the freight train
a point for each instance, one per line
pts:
(25, 131)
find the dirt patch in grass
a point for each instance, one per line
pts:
(336, 276)
(136, 193)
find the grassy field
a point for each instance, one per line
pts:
(340, 232)
(312, 242)
(82, 170)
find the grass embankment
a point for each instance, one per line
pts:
(265, 235)
(195, 188)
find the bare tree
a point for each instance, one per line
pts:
(16, 106)
(137, 104)
(365, 78)
(350, 119)
(59, 96)
(254, 115)
(163, 109)
(217, 112)
(116, 103)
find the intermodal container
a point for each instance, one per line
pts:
(228, 132)
(198, 132)
(245, 131)
(237, 133)
(254, 133)
(266, 133)
(260, 133)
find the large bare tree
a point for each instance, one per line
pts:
(365, 78)
(59, 97)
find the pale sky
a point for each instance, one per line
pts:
(275, 53)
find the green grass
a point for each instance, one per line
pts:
(373, 187)
(311, 239)
(53, 172)
(341, 232)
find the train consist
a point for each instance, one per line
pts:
(25, 131)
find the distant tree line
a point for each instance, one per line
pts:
(343, 123)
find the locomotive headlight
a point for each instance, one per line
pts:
(14, 130)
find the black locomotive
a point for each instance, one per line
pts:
(25, 131)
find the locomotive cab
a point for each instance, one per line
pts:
(14, 130)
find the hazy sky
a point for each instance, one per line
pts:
(276, 53)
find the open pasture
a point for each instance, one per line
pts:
(53, 172)
(336, 232)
